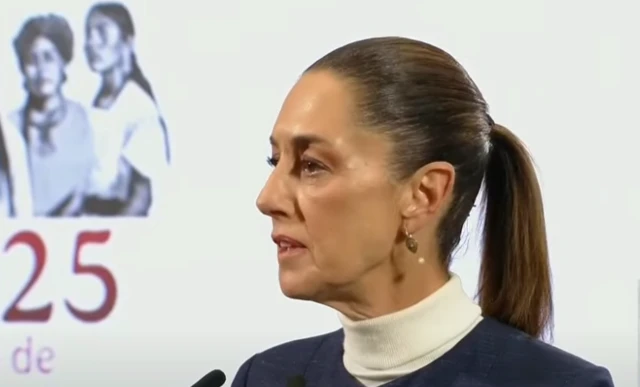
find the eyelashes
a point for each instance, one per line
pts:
(311, 167)
(306, 166)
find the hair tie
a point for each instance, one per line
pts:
(492, 123)
(492, 132)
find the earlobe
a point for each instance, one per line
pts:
(414, 200)
(409, 205)
(411, 209)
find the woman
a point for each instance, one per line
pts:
(379, 151)
(15, 184)
(133, 150)
(56, 131)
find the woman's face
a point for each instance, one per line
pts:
(43, 68)
(333, 205)
(105, 44)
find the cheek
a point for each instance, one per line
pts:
(54, 71)
(106, 57)
(110, 54)
(30, 72)
(350, 230)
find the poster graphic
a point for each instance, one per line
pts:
(85, 156)
(60, 157)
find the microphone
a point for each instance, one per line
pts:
(215, 378)
(296, 381)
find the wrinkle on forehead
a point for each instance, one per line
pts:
(356, 147)
(322, 105)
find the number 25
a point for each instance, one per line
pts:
(42, 314)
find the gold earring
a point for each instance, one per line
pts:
(412, 244)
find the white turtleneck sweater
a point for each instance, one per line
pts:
(379, 350)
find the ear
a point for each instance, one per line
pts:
(130, 42)
(429, 193)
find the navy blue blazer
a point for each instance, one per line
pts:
(491, 355)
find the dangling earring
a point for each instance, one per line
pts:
(412, 244)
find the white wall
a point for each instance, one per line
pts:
(198, 289)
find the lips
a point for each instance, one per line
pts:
(288, 247)
(41, 81)
(284, 241)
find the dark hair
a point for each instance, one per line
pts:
(57, 30)
(121, 16)
(5, 166)
(53, 27)
(427, 104)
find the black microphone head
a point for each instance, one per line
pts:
(296, 381)
(215, 378)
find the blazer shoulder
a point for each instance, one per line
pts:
(277, 364)
(301, 350)
(533, 359)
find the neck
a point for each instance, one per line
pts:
(44, 113)
(381, 294)
(48, 104)
(115, 78)
(381, 349)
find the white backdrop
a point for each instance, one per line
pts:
(197, 289)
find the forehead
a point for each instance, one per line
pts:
(99, 20)
(321, 105)
(42, 43)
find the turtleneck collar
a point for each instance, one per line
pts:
(381, 349)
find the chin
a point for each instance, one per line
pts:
(39, 91)
(97, 67)
(296, 287)
(48, 90)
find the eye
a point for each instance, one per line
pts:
(310, 167)
(272, 161)
(30, 60)
(48, 56)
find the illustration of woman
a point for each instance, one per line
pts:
(15, 184)
(56, 131)
(132, 140)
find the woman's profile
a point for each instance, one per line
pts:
(56, 130)
(379, 153)
(131, 137)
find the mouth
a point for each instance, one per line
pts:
(42, 82)
(288, 247)
(39, 84)
(93, 56)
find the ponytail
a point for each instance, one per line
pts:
(139, 78)
(515, 279)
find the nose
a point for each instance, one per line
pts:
(275, 195)
(90, 47)
(91, 37)
(42, 67)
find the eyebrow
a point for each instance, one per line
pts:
(302, 141)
